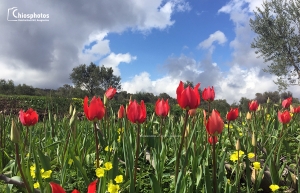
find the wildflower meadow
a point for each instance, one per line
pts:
(129, 151)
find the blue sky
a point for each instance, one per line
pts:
(151, 44)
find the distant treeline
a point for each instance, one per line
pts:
(7, 87)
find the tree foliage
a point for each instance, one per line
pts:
(94, 78)
(277, 27)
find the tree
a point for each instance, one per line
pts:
(277, 25)
(93, 78)
(24, 90)
(243, 107)
(7, 87)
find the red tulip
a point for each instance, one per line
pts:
(29, 117)
(95, 111)
(297, 110)
(287, 102)
(284, 117)
(253, 105)
(162, 107)
(136, 113)
(212, 138)
(188, 98)
(232, 114)
(208, 94)
(110, 93)
(214, 124)
(58, 189)
(192, 112)
(121, 112)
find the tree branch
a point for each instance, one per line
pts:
(8, 180)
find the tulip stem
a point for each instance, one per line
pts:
(161, 124)
(25, 140)
(136, 153)
(96, 140)
(20, 168)
(214, 165)
(229, 134)
(237, 170)
(180, 147)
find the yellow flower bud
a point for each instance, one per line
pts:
(187, 130)
(14, 133)
(248, 116)
(253, 141)
(238, 145)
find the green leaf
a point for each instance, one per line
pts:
(80, 168)
(45, 160)
(154, 183)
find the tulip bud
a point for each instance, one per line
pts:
(70, 110)
(192, 112)
(182, 119)
(253, 141)
(291, 109)
(238, 145)
(105, 100)
(213, 139)
(14, 133)
(121, 112)
(73, 117)
(187, 130)
(248, 117)
(268, 100)
(130, 99)
(259, 108)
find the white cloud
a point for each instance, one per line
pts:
(240, 82)
(218, 37)
(57, 46)
(244, 78)
(143, 83)
(113, 60)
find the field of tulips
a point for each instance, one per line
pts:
(128, 151)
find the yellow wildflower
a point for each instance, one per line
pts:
(36, 185)
(113, 188)
(46, 174)
(274, 187)
(234, 156)
(119, 139)
(32, 171)
(70, 161)
(119, 179)
(268, 117)
(230, 126)
(100, 172)
(256, 165)
(108, 166)
(251, 155)
(107, 148)
(100, 162)
(120, 130)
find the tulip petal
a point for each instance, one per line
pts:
(196, 91)
(179, 90)
(56, 188)
(92, 187)
(86, 107)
